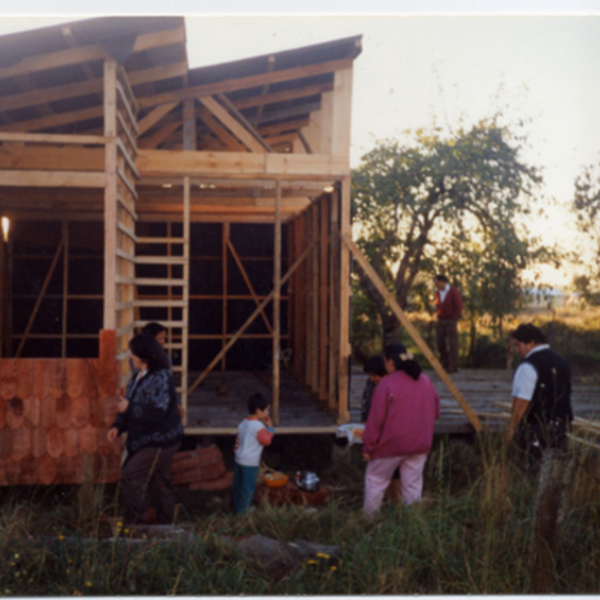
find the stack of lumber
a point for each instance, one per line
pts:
(202, 469)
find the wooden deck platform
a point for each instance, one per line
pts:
(212, 414)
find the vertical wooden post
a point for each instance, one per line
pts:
(310, 360)
(345, 349)
(110, 194)
(189, 125)
(334, 299)
(224, 313)
(186, 296)
(314, 299)
(65, 299)
(4, 344)
(323, 293)
(276, 303)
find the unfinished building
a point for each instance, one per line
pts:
(134, 189)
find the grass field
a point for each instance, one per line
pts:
(471, 537)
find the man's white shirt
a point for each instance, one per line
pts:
(526, 377)
(444, 292)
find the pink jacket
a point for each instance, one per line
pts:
(402, 417)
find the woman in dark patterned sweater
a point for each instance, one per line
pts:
(150, 417)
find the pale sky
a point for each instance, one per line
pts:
(412, 69)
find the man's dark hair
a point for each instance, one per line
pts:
(146, 348)
(441, 277)
(376, 366)
(257, 401)
(153, 329)
(528, 332)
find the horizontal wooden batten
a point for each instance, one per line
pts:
(160, 260)
(169, 324)
(174, 163)
(159, 303)
(53, 138)
(159, 282)
(74, 179)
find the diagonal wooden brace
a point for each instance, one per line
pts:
(412, 331)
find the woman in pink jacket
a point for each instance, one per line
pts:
(399, 430)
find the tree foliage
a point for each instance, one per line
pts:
(586, 204)
(446, 204)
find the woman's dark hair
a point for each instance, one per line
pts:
(146, 348)
(409, 365)
(441, 277)
(527, 332)
(257, 401)
(153, 329)
(376, 366)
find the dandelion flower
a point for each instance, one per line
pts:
(88, 583)
(334, 568)
(61, 537)
(311, 561)
(321, 555)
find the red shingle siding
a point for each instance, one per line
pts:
(52, 411)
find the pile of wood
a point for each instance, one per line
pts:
(201, 469)
(290, 494)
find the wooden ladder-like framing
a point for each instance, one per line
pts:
(176, 341)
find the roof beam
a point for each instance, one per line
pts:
(232, 124)
(311, 90)
(55, 120)
(230, 85)
(155, 116)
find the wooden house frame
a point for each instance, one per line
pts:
(107, 134)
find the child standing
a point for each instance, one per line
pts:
(254, 432)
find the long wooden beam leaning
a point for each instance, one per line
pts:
(412, 331)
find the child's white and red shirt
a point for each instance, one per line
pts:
(251, 438)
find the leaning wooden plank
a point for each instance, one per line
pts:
(250, 81)
(76, 179)
(158, 137)
(40, 297)
(410, 328)
(248, 322)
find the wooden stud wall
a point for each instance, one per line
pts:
(121, 132)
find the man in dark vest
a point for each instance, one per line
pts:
(541, 411)
(448, 303)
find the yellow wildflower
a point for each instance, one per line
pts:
(321, 555)
(88, 583)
